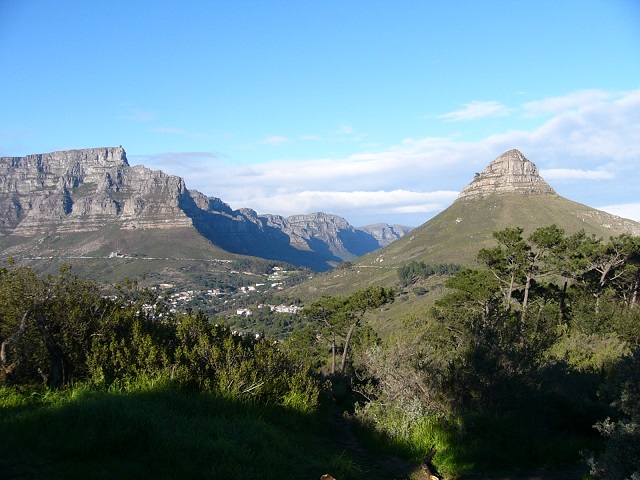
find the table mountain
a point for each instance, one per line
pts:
(91, 202)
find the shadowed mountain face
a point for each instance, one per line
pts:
(509, 192)
(85, 202)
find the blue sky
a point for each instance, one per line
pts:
(378, 111)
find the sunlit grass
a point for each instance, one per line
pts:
(474, 443)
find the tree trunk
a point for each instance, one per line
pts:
(345, 352)
(563, 300)
(604, 273)
(7, 369)
(60, 370)
(636, 286)
(525, 300)
(333, 355)
(508, 306)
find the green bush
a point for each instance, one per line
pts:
(621, 457)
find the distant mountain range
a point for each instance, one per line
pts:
(91, 202)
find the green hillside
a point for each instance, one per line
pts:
(459, 232)
(111, 254)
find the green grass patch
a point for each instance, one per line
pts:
(474, 443)
(155, 430)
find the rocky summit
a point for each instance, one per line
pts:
(511, 172)
(48, 201)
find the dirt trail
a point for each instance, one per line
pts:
(378, 466)
(390, 467)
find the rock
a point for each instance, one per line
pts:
(510, 172)
(80, 190)
(385, 233)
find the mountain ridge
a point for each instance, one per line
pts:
(83, 191)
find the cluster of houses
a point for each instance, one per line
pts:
(180, 298)
(254, 288)
(291, 309)
(275, 281)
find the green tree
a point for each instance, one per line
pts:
(518, 263)
(621, 457)
(543, 243)
(47, 325)
(495, 355)
(506, 260)
(340, 316)
(603, 262)
(414, 271)
(325, 312)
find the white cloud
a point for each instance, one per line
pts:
(184, 164)
(600, 131)
(475, 110)
(572, 101)
(626, 210)
(561, 174)
(275, 140)
(346, 130)
(348, 203)
(139, 115)
(597, 144)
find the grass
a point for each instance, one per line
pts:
(476, 444)
(154, 430)
(457, 234)
(150, 428)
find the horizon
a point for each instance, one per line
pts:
(378, 113)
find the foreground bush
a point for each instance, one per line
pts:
(621, 457)
(59, 330)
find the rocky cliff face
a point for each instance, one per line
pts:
(89, 190)
(385, 233)
(81, 190)
(511, 172)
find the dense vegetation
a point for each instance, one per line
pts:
(512, 367)
(517, 362)
(135, 391)
(414, 271)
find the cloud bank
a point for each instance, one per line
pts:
(586, 145)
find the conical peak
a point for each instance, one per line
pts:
(511, 172)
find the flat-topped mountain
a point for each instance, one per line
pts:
(509, 192)
(92, 202)
(80, 190)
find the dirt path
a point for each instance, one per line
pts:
(379, 466)
(391, 467)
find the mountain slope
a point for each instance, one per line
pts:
(91, 202)
(509, 192)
